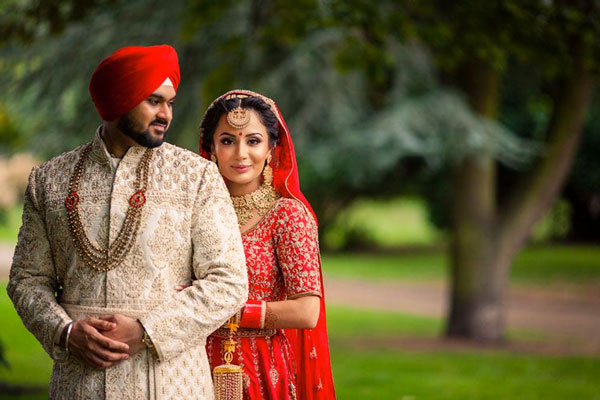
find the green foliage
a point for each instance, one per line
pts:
(10, 137)
(27, 20)
(382, 223)
(359, 102)
(357, 83)
(585, 174)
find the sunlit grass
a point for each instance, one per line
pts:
(10, 222)
(443, 375)
(384, 223)
(534, 265)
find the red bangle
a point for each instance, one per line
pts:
(253, 315)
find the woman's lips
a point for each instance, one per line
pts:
(241, 168)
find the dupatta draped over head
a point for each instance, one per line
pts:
(311, 346)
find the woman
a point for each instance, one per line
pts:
(282, 341)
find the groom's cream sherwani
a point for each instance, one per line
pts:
(188, 232)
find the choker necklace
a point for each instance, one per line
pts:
(100, 258)
(257, 202)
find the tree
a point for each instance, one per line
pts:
(486, 232)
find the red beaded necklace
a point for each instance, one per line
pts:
(100, 258)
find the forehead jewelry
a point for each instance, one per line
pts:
(239, 117)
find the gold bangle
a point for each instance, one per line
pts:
(263, 313)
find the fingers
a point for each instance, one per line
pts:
(101, 323)
(97, 362)
(111, 344)
(106, 355)
(95, 349)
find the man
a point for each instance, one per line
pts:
(110, 229)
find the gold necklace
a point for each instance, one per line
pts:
(100, 258)
(257, 202)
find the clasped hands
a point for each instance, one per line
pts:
(104, 341)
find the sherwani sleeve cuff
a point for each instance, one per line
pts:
(147, 326)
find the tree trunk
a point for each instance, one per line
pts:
(484, 241)
(476, 290)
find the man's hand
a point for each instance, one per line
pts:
(89, 343)
(127, 330)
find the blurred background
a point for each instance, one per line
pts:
(451, 150)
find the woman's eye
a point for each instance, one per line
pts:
(253, 141)
(226, 141)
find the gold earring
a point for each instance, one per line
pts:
(213, 158)
(268, 172)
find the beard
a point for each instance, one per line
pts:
(128, 126)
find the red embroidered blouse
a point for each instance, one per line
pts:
(282, 256)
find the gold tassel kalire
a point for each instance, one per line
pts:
(228, 378)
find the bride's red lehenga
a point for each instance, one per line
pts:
(282, 256)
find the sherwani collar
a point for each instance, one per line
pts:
(101, 155)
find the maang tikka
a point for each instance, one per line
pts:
(239, 117)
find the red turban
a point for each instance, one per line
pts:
(129, 76)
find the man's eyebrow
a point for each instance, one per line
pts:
(161, 97)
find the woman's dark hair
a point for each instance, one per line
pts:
(222, 106)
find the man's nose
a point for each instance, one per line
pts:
(165, 112)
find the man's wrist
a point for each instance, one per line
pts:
(64, 335)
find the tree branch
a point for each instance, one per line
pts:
(536, 192)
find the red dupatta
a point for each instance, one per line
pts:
(311, 346)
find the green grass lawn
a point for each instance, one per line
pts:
(534, 265)
(10, 222)
(395, 374)
(378, 372)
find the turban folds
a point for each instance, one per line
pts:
(128, 76)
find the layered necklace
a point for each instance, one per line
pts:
(100, 258)
(258, 202)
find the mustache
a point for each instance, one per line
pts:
(159, 121)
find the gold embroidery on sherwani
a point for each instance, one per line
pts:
(143, 285)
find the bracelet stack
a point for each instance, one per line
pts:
(253, 315)
(69, 327)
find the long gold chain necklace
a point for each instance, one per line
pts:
(257, 202)
(100, 258)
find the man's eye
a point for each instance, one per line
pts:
(153, 101)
